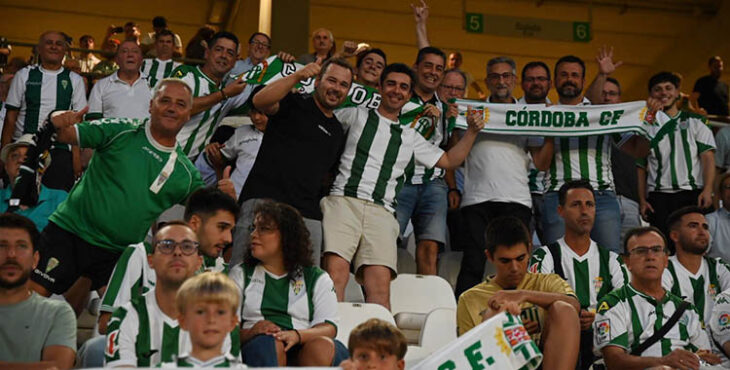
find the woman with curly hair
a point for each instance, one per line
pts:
(289, 309)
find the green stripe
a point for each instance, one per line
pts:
(583, 157)
(659, 167)
(666, 343)
(698, 294)
(688, 158)
(553, 171)
(389, 159)
(211, 128)
(565, 154)
(275, 299)
(582, 282)
(191, 138)
(602, 183)
(170, 340)
(672, 164)
(636, 327)
(362, 151)
(112, 289)
(168, 69)
(142, 346)
(604, 262)
(32, 100)
(64, 90)
(153, 72)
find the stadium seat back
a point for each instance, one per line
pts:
(353, 314)
(420, 294)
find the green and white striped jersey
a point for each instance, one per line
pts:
(585, 157)
(592, 275)
(376, 154)
(719, 324)
(301, 303)
(35, 92)
(196, 132)
(535, 179)
(674, 163)
(432, 130)
(627, 317)
(701, 288)
(140, 334)
(156, 69)
(133, 276)
(186, 360)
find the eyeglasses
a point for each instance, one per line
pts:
(261, 229)
(453, 88)
(610, 93)
(167, 246)
(644, 251)
(497, 76)
(533, 79)
(259, 43)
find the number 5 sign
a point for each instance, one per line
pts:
(474, 22)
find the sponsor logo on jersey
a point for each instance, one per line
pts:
(723, 321)
(533, 268)
(603, 307)
(111, 343)
(52, 263)
(603, 330)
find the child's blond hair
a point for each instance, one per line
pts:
(207, 287)
(380, 336)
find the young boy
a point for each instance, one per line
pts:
(207, 304)
(376, 344)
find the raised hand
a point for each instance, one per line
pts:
(420, 12)
(68, 118)
(286, 57)
(605, 62)
(310, 70)
(474, 119)
(226, 185)
(236, 87)
(348, 49)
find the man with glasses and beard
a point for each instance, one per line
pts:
(36, 332)
(691, 274)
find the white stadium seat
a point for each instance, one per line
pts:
(353, 314)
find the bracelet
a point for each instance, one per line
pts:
(298, 336)
(456, 190)
(223, 94)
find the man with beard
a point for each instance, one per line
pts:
(591, 270)
(545, 300)
(301, 145)
(37, 332)
(535, 84)
(369, 66)
(36, 91)
(629, 316)
(145, 331)
(495, 177)
(125, 93)
(585, 158)
(423, 198)
(691, 274)
(358, 214)
(681, 163)
(210, 95)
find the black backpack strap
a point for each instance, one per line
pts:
(554, 249)
(659, 334)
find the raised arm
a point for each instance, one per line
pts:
(456, 155)
(420, 14)
(64, 123)
(267, 100)
(606, 66)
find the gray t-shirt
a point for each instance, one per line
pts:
(30, 326)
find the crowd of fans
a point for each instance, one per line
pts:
(95, 147)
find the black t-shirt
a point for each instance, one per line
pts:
(300, 146)
(713, 95)
(625, 178)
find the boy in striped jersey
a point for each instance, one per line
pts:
(590, 269)
(145, 331)
(690, 274)
(36, 91)
(358, 214)
(628, 316)
(681, 162)
(162, 65)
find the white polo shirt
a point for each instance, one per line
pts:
(114, 98)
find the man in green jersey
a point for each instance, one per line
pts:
(137, 172)
(630, 315)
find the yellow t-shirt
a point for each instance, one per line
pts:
(474, 301)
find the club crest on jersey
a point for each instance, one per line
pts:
(481, 111)
(683, 125)
(64, 84)
(598, 283)
(111, 343)
(603, 330)
(712, 290)
(516, 335)
(723, 321)
(297, 286)
(52, 264)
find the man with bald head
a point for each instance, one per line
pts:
(39, 89)
(138, 171)
(125, 93)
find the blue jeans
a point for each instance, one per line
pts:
(260, 351)
(91, 353)
(427, 206)
(630, 214)
(606, 228)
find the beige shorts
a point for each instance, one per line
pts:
(362, 232)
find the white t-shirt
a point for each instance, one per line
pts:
(113, 98)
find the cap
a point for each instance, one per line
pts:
(25, 140)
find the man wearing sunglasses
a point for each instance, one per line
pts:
(630, 315)
(144, 332)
